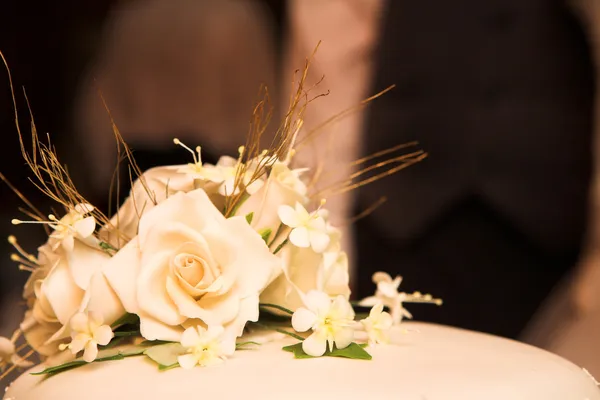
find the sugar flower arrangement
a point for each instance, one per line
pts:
(199, 260)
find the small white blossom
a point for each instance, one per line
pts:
(330, 321)
(224, 175)
(377, 325)
(204, 347)
(73, 225)
(388, 295)
(9, 356)
(87, 332)
(308, 229)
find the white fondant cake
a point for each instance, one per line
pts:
(428, 362)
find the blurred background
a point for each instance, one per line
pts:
(501, 220)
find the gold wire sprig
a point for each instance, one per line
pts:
(310, 135)
(381, 169)
(284, 140)
(368, 211)
(51, 177)
(27, 261)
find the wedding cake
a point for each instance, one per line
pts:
(229, 280)
(423, 362)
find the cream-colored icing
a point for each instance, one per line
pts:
(429, 362)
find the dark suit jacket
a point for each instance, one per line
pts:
(499, 93)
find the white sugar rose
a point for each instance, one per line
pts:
(73, 282)
(305, 270)
(157, 184)
(191, 265)
(283, 187)
(46, 259)
(154, 187)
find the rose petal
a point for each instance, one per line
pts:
(239, 254)
(37, 334)
(95, 320)
(151, 329)
(61, 292)
(303, 319)
(190, 337)
(103, 301)
(122, 272)
(222, 309)
(84, 261)
(185, 304)
(214, 332)
(248, 312)
(152, 294)
(195, 202)
(314, 345)
(254, 187)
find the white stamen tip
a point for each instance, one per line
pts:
(176, 141)
(16, 221)
(51, 217)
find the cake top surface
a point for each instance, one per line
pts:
(423, 362)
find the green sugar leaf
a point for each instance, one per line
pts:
(265, 234)
(353, 351)
(103, 355)
(165, 355)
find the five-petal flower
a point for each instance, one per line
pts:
(388, 295)
(308, 229)
(73, 225)
(204, 347)
(331, 322)
(377, 325)
(87, 332)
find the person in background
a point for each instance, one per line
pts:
(502, 94)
